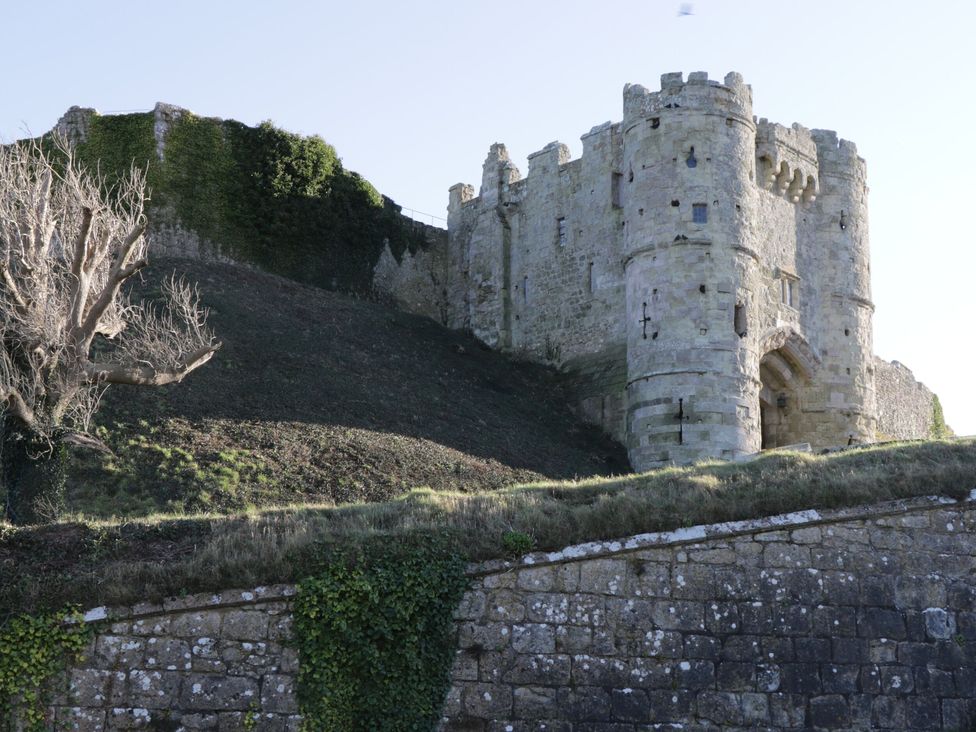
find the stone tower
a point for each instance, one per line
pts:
(704, 274)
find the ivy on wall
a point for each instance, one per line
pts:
(375, 636)
(262, 195)
(939, 429)
(34, 650)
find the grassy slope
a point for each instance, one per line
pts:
(125, 561)
(317, 397)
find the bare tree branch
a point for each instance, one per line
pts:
(67, 245)
(147, 375)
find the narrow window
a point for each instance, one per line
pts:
(590, 276)
(563, 234)
(615, 181)
(789, 291)
(740, 321)
(525, 289)
(691, 161)
(699, 213)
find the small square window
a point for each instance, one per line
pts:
(699, 213)
(562, 232)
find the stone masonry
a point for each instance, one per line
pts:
(858, 620)
(852, 619)
(703, 272)
(201, 662)
(905, 406)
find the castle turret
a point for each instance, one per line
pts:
(689, 195)
(847, 310)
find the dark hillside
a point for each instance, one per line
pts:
(318, 397)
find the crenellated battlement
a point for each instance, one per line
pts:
(787, 160)
(732, 96)
(837, 154)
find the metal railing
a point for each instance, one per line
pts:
(424, 218)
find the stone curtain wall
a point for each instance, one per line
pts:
(904, 404)
(202, 662)
(860, 623)
(849, 620)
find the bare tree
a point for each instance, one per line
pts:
(67, 245)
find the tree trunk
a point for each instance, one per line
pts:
(34, 474)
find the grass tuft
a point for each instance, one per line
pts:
(119, 561)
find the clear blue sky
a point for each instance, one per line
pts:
(413, 93)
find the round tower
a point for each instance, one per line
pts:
(690, 200)
(846, 324)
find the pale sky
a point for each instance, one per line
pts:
(412, 94)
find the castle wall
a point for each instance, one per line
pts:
(725, 257)
(846, 619)
(850, 620)
(905, 406)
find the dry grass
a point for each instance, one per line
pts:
(113, 562)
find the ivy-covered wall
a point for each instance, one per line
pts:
(259, 195)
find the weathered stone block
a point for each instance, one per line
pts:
(214, 692)
(888, 712)
(850, 650)
(920, 592)
(742, 648)
(800, 678)
(693, 674)
(722, 617)
(786, 555)
(876, 622)
(168, 654)
(678, 615)
(80, 719)
(153, 689)
(487, 701)
(605, 576)
(736, 676)
(651, 579)
(251, 625)
(840, 679)
(661, 644)
(278, 694)
(584, 703)
(693, 582)
(505, 606)
(534, 638)
(897, 680)
(156, 626)
(547, 608)
(471, 607)
(540, 670)
(629, 705)
(88, 687)
(702, 646)
(787, 711)
(934, 682)
(720, 707)
(537, 579)
(534, 702)
(196, 624)
(829, 712)
(939, 624)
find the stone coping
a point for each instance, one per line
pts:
(693, 534)
(588, 550)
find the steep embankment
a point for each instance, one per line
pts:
(318, 397)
